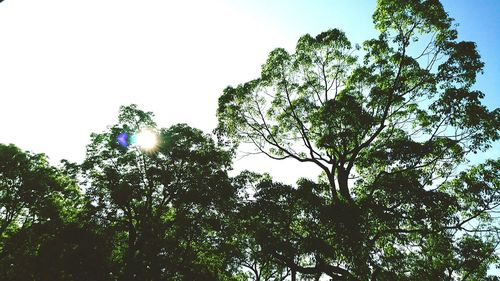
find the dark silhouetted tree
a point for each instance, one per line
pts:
(167, 205)
(41, 236)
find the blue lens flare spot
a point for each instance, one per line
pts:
(133, 139)
(122, 139)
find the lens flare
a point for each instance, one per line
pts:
(122, 139)
(146, 139)
(132, 139)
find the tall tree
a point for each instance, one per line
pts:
(167, 204)
(388, 132)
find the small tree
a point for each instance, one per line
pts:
(388, 133)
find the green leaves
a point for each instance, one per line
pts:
(462, 66)
(165, 205)
(478, 188)
(336, 128)
(463, 110)
(276, 66)
(423, 16)
(387, 132)
(39, 210)
(30, 189)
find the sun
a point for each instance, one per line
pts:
(146, 139)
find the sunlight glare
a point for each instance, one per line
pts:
(146, 139)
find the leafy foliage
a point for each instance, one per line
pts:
(388, 132)
(389, 124)
(167, 206)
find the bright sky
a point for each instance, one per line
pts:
(66, 66)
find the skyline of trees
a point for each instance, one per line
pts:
(388, 125)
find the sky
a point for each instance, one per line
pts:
(66, 66)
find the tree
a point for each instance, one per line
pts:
(41, 237)
(26, 182)
(254, 260)
(166, 206)
(388, 132)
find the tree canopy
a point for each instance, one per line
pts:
(167, 207)
(390, 124)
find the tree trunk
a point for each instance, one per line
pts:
(294, 275)
(343, 177)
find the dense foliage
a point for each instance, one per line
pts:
(390, 126)
(389, 131)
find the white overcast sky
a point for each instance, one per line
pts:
(66, 65)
